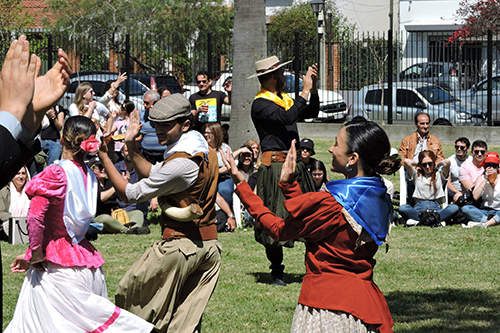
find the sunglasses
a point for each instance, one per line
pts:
(457, 147)
(306, 149)
(490, 165)
(201, 81)
(477, 152)
(428, 164)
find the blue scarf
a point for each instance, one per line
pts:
(366, 199)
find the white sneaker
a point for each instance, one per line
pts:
(473, 224)
(411, 222)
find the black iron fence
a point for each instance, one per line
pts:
(383, 77)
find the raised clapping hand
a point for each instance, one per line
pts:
(24, 96)
(310, 79)
(134, 126)
(228, 159)
(17, 79)
(288, 169)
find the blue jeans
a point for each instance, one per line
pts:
(226, 189)
(53, 150)
(409, 212)
(475, 214)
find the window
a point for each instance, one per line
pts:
(375, 96)
(406, 98)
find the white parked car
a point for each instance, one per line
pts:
(137, 89)
(409, 98)
(332, 106)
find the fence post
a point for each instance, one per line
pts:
(296, 64)
(209, 58)
(49, 56)
(489, 104)
(389, 76)
(330, 55)
(127, 65)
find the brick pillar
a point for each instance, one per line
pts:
(333, 79)
(114, 61)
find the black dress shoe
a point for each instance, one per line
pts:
(279, 282)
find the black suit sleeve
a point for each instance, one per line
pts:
(13, 155)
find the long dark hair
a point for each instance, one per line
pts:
(432, 156)
(318, 165)
(371, 143)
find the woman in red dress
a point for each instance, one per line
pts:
(343, 228)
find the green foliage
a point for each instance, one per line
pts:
(364, 61)
(12, 19)
(281, 31)
(163, 30)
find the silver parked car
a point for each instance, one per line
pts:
(137, 89)
(478, 94)
(409, 98)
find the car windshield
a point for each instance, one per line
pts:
(136, 89)
(435, 95)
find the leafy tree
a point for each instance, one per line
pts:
(12, 19)
(164, 29)
(477, 16)
(281, 31)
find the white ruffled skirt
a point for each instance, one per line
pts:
(312, 320)
(70, 299)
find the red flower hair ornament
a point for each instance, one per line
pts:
(91, 145)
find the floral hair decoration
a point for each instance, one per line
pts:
(91, 145)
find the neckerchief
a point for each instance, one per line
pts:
(191, 143)
(366, 200)
(286, 102)
(80, 203)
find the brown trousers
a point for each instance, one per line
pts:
(171, 283)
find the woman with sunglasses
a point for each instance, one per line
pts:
(429, 178)
(485, 188)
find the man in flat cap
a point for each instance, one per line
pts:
(275, 116)
(171, 283)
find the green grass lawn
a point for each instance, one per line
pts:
(435, 280)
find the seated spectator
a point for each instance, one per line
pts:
(163, 91)
(318, 173)
(485, 187)
(306, 151)
(126, 168)
(429, 180)
(246, 165)
(225, 133)
(213, 134)
(13, 201)
(120, 124)
(413, 144)
(225, 219)
(150, 148)
(110, 97)
(85, 105)
(106, 203)
(471, 171)
(254, 144)
(456, 161)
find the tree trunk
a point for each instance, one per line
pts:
(250, 45)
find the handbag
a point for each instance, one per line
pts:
(468, 199)
(121, 215)
(429, 218)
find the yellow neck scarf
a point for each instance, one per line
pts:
(286, 102)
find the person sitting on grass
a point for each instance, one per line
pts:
(107, 203)
(429, 179)
(485, 188)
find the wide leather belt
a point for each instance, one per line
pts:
(269, 157)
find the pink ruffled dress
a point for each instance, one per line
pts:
(70, 294)
(46, 226)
